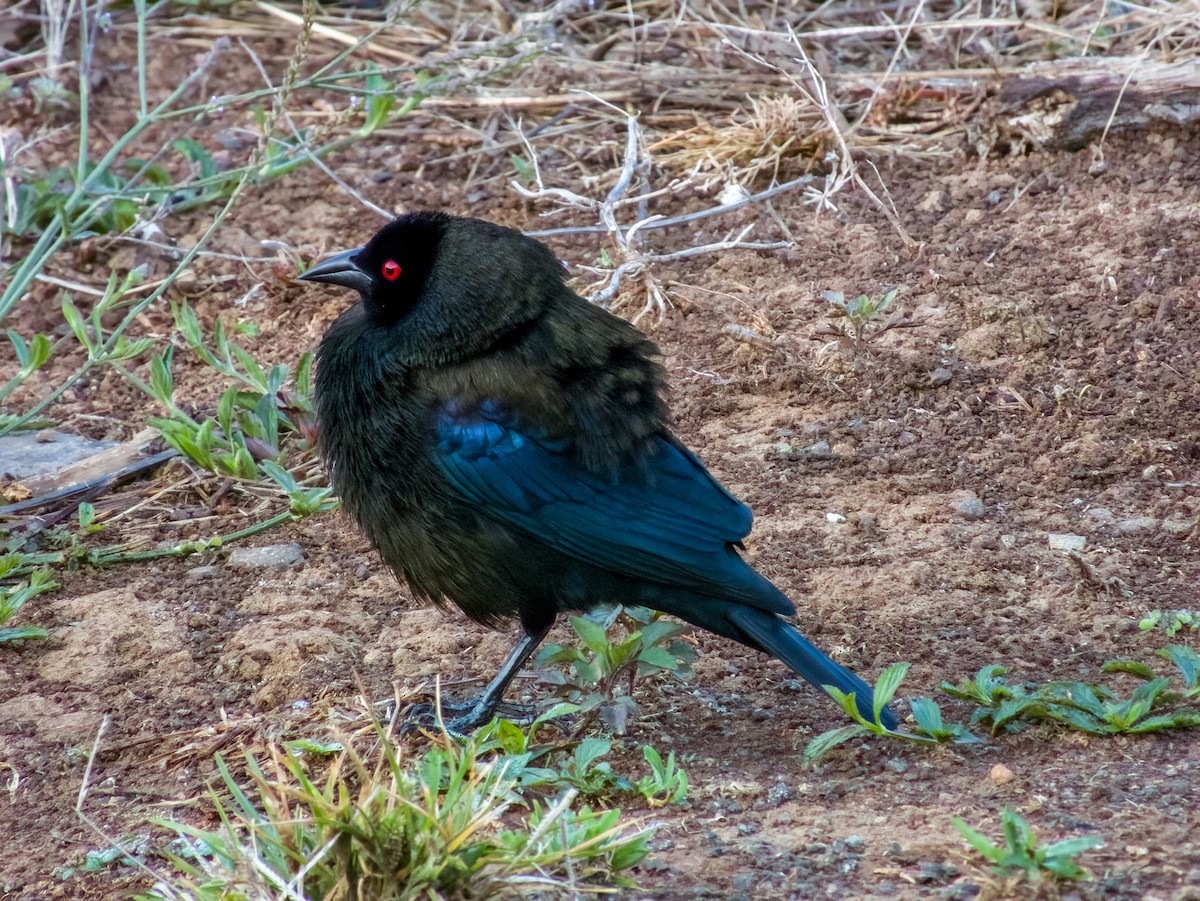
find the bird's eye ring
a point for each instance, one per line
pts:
(391, 270)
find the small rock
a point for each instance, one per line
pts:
(935, 871)
(843, 449)
(940, 377)
(969, 506)
(202, 572)
(1178, 526)
(1101, 514)
(855, 843)
(742, 882)
(899, 764)
(1001, 774)
(834, 517)
(778, 793)
(820, 449)
(1066, 542)
(1137, 524)
(268, 555)
(906, 438)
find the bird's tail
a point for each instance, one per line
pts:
(777, 637)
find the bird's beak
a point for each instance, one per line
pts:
(341, 270)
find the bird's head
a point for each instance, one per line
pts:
(454, 285)
(391, 270)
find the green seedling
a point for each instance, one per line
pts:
(860, 320)
(1021, 854)
(666, 784)
(1086, 707)
(13, 598)
(254, 415)
(931, 728)
(1172, 621)
(585, 771)
(603, 665)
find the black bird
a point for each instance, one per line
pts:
(504, 444)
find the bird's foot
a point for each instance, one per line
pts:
(465, 717)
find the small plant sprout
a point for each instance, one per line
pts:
(860, 320)
(1086, 706)
(1171, 621)
(603, 666)
(931, 727)
(1020, 853)
(666, 784)
(13, 598)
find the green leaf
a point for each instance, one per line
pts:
(21, 348)
(826, 741)
(304, 374)
(589, 751)
(162, 383)
(1133, 667)
(1187, 662)
(1070, 847)
(928, 716)
(312, 746)
(1176, 719)
(77, 323)
(659, 658)
(254, 371)
(16, 633)
(592, 635)
(885, 688)
(978, 841)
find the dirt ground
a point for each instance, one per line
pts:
(1050, 386)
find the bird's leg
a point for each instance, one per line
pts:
(467, 716)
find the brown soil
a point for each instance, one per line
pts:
(1052, 374)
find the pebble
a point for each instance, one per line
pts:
(834, 517)
(1001, 774)
(855, 843)
(202, 572)
(935, 871)
(1137, 524)
(1066, 542)
(1101, 514)
(264, 556)
(1178, 526)
(970, 506)
(940, 377)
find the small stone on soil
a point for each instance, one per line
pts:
(1065, 542)
(970, 506)
(265, 556)
(1137, 524)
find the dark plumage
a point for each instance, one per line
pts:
(504, 444)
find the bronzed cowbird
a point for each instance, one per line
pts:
(504, 444)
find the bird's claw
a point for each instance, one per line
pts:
(464, 717)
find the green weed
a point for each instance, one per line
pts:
(603, 665)
(13, 598)
(931, 728)
(1171, 621)
(448, 823)
(1021, 854)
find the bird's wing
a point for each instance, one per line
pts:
(671, 525)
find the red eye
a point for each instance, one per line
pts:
(391, 270)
